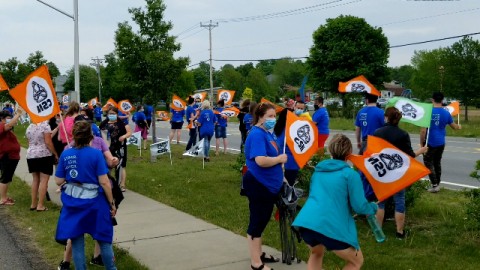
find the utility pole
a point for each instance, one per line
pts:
(96, 63)
(210, 26)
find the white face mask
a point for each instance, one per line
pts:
(8, 120)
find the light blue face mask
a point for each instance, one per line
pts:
(8, 120)
(270, 123)
(112, 117)
(298, 111)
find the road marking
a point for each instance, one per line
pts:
(459, 185)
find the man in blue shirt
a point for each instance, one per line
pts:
(123, 116)
(148, 110)
(97, 111)
(220, 127)
(368, 119)
(436, 140)
(8, 108)
(322, 120)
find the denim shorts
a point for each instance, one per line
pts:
(313, 238)
(399, 199)
(220, 132)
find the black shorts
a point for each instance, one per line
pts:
(313, 238)
(261, 202)
(121, 154)
(42, 165)
(7, 169)
(176, 125)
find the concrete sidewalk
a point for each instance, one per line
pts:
(161, 237)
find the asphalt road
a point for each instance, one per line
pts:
(458, 159)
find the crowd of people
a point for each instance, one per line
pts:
(83, 154)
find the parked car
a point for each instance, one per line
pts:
(310, 106)
(382, 102)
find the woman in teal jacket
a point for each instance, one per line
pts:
(325, 221)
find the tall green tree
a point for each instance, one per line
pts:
(257, 81)
(462, 71)
(147, 55)
(185, 84)
(427, 77)
(402, 74)
(344, 48)
(201, 75)
(88, 82)
(232, 79)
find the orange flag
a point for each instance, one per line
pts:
(388, 169)
(163, 116)
(177, 103)
(302, 136)
(226, 95)
(201, 96)
(92, 102)
(37, 96)
(278, 109)
(125, 106)
(453, 108)
(358, 84)
(230, 112)
(110, 101)
(3, 84)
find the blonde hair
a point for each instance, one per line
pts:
(340, 147)
(205, 104)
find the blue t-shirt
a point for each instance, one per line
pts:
(97, 112)
(82, 165)
(262, 143)
(207, 120)
(221, 121)
(177, 116)
(247, 120)
(148, 111)
(9, 109)
(190, 110)
(96, 130)
(368, 120)
(139, 117)
(440, 119)
(321, 118)
(120, 113)
(291, 163)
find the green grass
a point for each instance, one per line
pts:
(440, 236)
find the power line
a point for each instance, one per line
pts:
(257, 60)
(433, 40)
(192, 34)
(193, 27)
(432, 16)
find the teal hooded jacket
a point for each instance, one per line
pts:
(335, 188)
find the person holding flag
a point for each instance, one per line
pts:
(97, 110)
(141, 124)
(262, 180)
(192, 115)
(325, 221)
(248, 118)
(244, 109)
(176, 123)
(206, 122)
(9, 153)
(400, 139)
(322, 120)
(221, 127)
(291, 167)
(436, 140)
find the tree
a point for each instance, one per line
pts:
(88, 82)
(288, 72)
(185, 84)
(147, 56)
(257, 81)
(427, 79)
(231, 79)
(266, 66)
(201, 75)
(344, 48)
(402, 74)
(462, 71)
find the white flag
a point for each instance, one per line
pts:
(135, 139)
(195, 151)
(160, 148)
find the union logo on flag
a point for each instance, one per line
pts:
(110, 101)
(92, 102)
(387, 168)
(200, 96)
(177, 103)
(125, 106)
(358, 84)
(416, 113)
(301, 136)
(37, 95)
(226, 95)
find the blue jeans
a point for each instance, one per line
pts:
(193, 138)
(206, 144)
(78, 252)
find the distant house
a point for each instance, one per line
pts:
(392, 89)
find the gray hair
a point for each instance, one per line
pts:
(205, 105)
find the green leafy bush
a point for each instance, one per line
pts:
(472, 207)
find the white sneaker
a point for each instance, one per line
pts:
(434, 189)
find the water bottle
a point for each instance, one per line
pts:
(376, 229)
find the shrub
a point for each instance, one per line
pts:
(472, 207)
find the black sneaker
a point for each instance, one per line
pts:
(64, 265)
(97, 260)
(400, 236)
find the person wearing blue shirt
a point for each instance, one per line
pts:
(291, 167)
(262, 180)
(123, 116)
(141, 124)
(221, 127)
(97, 111)
(322, 120)
(176, 123)
(325, 221)
(248, 118)
(88, 204)
(206, 122)
(192, 115)
(8, 107)
(148, 111)
(441, 118)
(369, 119)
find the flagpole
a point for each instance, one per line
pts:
(171, 163)
(426, 139)
(458, 119)
(64, 129)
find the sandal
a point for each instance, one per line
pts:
(123, 189)
(7, 202)
(42, 210)
(259, 268)
(33, 208)
(269, 259)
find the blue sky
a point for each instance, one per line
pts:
(28, 25)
